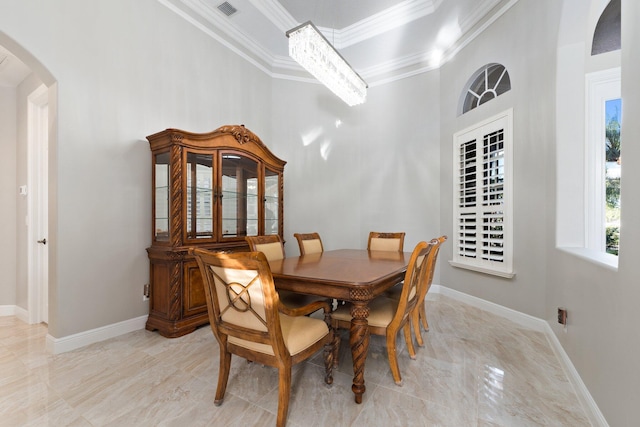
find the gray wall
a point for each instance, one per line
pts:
(125, 70)
(602, 339)
(8, 195)
(25, 88)
(387, 166)
(375, 170)
(524, 41)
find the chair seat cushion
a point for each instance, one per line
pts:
(298, 332)
(381, 312)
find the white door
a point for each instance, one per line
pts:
(37, 205)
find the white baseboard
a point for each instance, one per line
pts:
(515, 316)
(71, 342)
(22, 314)
(7, 310)
(595, 416)
(14, 310)
(591, 408)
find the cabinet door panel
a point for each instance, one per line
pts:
(161, 197)
(271, 202)
(239, 196)
(160, 294)
(200, 198)
(194, 300)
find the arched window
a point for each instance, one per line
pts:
(487, 83)
(606, 37)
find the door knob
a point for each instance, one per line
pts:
(43, 241)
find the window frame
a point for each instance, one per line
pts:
(601, 86)
(504, 268)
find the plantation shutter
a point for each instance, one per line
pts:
(482, 202)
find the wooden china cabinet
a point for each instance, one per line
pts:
(210, 190)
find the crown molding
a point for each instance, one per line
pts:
(230, 32)
(206, 18)
(389, 19)
(274, 12)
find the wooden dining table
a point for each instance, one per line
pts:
(352, 275)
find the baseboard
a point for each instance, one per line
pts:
(72, 342)
(591, 408)
(22, 314)
(515, 316)
(14, 310)
(595, 416)
(7, 310)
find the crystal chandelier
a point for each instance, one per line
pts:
(314, 52)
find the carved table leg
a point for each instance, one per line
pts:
(359, 340)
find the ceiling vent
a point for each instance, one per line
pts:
(227, 8)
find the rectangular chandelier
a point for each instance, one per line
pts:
(314, 52)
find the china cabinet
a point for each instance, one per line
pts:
(210, 190)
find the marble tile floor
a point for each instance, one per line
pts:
(476, 369)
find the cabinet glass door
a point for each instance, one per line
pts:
(161, 207)
(239, 196)
(200, 196)
(271, 201)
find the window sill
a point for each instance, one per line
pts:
(601, 258)
(505, 274)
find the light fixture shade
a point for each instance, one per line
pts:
(314, 52)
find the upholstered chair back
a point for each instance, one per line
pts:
(385, 241)
(309, 243)
(270, 245)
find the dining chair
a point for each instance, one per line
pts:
(273, 248)
(387, 316)
(379, 241)
(271, 245)
(419, 316)
(249, 321)
(309, 243)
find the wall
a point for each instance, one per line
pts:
(117, 86)
(352, 170)
(157, 71)
(601, 339)
(400, 160)
(25, 88)
(319, 137)
(524, 41)
(8, 196)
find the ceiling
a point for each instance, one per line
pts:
(383, 40)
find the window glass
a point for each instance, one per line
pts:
(607, 35)
(613, 168)
(487, 83)
(604, 162)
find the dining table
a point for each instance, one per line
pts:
(353, 275)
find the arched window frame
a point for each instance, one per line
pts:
(487, 83)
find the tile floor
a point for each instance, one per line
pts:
(477, 369)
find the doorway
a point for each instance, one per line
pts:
(37, 205)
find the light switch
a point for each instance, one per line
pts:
(23, 190)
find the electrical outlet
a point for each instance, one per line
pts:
(562, 316)
(145, 292)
